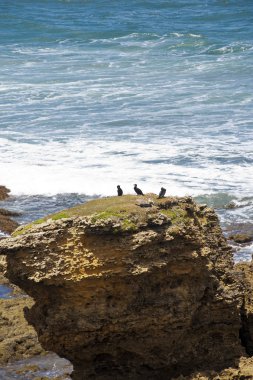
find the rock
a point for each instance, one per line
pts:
(202, 206)
(240, 233)
(7, 225)
(231, 205)
(154, 299)
(145, 203)
(4, 193)
(18, 340)
(245, 271)
(241, 238)
(8, 212)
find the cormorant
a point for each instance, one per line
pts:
(120, 191)
(137, 190)
(162, 193)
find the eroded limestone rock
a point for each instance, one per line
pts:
(129, 292)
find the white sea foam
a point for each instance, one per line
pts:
(96, 167)
(3, 234)
(90, 110)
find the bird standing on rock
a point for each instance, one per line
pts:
(137, 190)
(119, 190)
(162, 193)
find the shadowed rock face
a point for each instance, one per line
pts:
(148, 295)
(245, 271)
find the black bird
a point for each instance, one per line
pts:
(162, 193)
(137, 190)
(120, 191)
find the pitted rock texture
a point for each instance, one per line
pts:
(149, 295)
(18, 340)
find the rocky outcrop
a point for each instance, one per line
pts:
(128, 292)
(4, 193)
(7, 224)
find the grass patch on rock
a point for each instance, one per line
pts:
(126, 210)
(176, 214)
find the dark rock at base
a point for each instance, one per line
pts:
(243, 371)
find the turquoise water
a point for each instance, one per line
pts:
(95, 94)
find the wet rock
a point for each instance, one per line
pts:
(231, 205)
(240, 233)
(145, 203)
(241, 238)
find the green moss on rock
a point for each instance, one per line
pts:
(60, 215)
(125, 210)
(176, 214)
(128, 225)
(104, 215)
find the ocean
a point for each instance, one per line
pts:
(94, 94)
